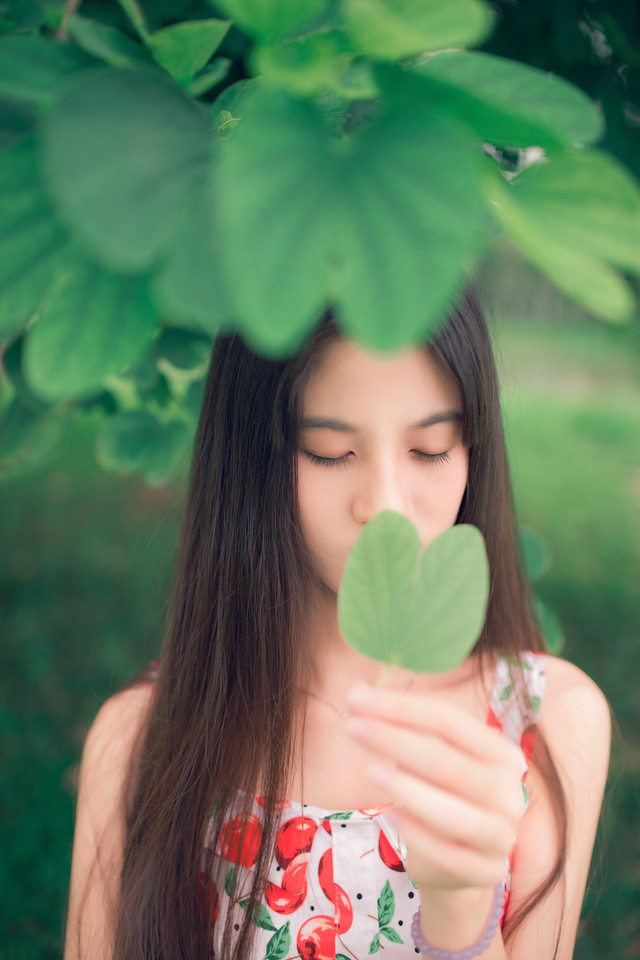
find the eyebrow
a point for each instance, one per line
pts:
(326, 423)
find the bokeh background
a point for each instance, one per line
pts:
(86, 556)
(86, 560)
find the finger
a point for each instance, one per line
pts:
(441, 859)
(433, 715)
(450, 817)
(430, 758)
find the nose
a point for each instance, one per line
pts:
(382, 486)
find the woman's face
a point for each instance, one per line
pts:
(362, 412)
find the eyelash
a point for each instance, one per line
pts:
(335, 461)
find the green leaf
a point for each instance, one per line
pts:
(535, 703)
(261, 916)
(505, 693)
(278, 945)
(218, 70)
(386, 904)
(192, 286)
(136, 440)
(391, 934)
(232, 104)
(136, 14)
(342, 956)
(184, 48)
(34, 247)
(588, 201)
(106, 43)
(400, 608)
(536, 552)
(583, 277)
(230, 882)
(507, 102)
(306, 67)
(395, 29)
(123, 150)
(384, 224)
(270, 19)
(30, 439)
(34, 69)
(277, 250)
(183, 348)
(339, 815)
(410, 224)
(374, 946)
(92, 325)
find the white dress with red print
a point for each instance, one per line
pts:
(337, 887)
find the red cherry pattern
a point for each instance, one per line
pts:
(277, 806)
(291, 895)
(388, 855)
(527, 742)
(493, 721)
(317, 939)
(240, 839)
(335, 893)
(208, 899)
(295, 836)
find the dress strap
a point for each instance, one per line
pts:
(515, 675)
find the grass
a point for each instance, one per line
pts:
(85, 570)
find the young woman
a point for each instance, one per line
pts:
(254, 794)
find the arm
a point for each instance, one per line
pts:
(458, 781)
(576, 722)
(99, 830)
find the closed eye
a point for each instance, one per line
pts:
(334, 461)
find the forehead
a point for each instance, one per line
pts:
(352, 375)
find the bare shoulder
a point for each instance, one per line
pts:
(99, 829)
(117, 726)
(574, 707)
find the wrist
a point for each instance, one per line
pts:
(463, 921)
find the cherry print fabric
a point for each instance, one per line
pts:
(337, 888)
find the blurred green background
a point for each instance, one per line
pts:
(85, 569)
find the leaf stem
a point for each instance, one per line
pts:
(383, 676)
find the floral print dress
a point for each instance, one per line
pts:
(337, 887)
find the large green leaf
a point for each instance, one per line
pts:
(184, 48)
(395, 29)
(509, 103)
(276, 197)
(270, 19)
(122, 152)
(383, 223)
(588, 201)
(33, 69)
(583, 277)
(94, 324)
(192, 286)
(411, 222)
(136, 440)
(423, 612)
(34, 247)
(106, 43)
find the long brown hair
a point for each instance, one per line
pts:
(235, 656)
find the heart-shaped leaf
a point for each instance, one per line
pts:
(421, 611)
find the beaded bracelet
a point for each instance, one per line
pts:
(479, 947)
